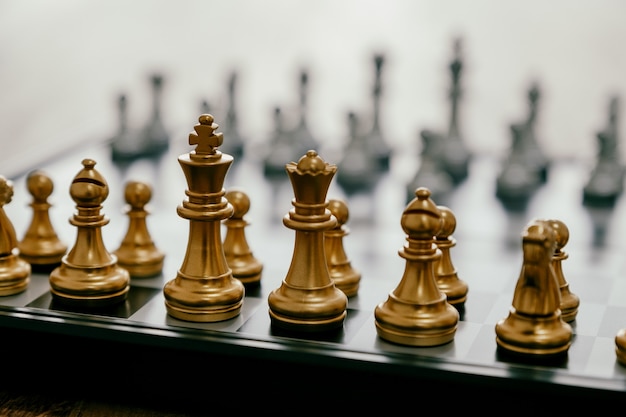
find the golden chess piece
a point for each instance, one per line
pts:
(41, 247)
(446, 274)
(204, 289)
(241, 261)
(416, 312)
(534, 326)
(345, 277)
(137, 252)
(307, 299)
(569, 301)
(89, 275)
(620, 346)
(14, 271)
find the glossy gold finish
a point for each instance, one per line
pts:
(345, 277)
(620, 346)
(447, 277)
(569, 301)
(241, 261)
(137, 253)
(89, 275)
(204, 289)
(14, 271)
(307, 299)
(41, 247)
(416, 312)
(534, 325)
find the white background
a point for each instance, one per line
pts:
(63, 63)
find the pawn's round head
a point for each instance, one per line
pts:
(240, 202)
(561, 231)
(448, 222)
(339, 209)
(39, 185)
(89, 188)
(421, 218)
(6, 190)
(137, 194)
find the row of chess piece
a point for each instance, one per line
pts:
(366, 153)
(423, 310)
(444, 157)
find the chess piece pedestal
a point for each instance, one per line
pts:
(89, 275)
(308, 300)
(14, 271)
(416, 312)
(204, 289)
(345, 277)
(240, 258)
(138, 254)
(41, 247)
(446, 274)
(534, 326)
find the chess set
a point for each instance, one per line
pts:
(232, 256)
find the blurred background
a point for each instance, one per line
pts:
(63, 65)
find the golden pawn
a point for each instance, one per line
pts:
(569, 301)
(417, 312)
(620, 346)
(14, 271)
(447, 278)
(204, 289)
(345, 277)
(41, 247)
(138, 253)
(244, 265)
(307, 299)
(89, 275)
(534, 326)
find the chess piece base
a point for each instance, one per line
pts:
(216, 300)
(246, 269)
(249, 279)
(569, 312)
(43, 253)
(345, 278)
(43, 262)
(350, 289)
(455, 289)
(307, 309)
(406, 323)
(87, 301)
(534, 336)
(14, 275)
(307, 326)
(418, 335)
(143, 268)
(421, 339)
(207, 314)
(89, 287)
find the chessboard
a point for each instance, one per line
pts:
(246, 356)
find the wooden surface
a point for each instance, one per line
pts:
(28, 404)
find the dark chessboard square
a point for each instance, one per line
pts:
(261, 324)
(477, 307)
(137, 297)
(550, 361)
